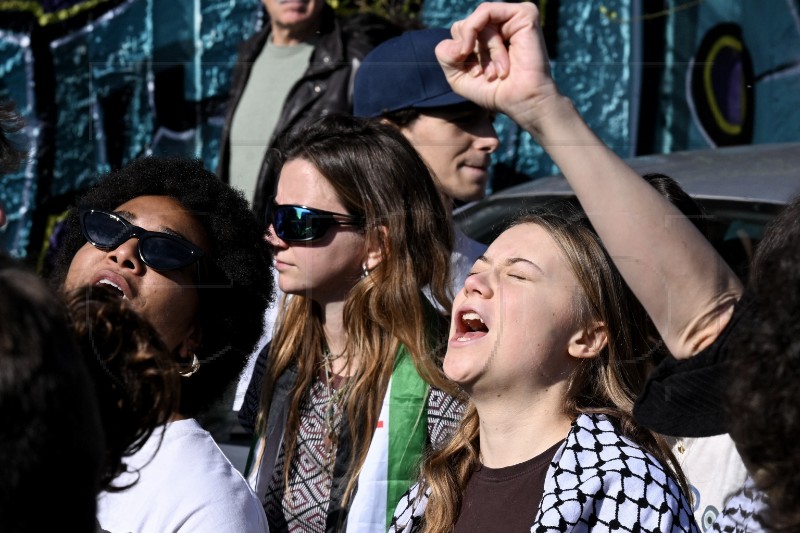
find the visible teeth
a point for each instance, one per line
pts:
(473, 321)
(107, 282)
(114, 285)
(472, 316)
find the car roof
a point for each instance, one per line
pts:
(765, 173)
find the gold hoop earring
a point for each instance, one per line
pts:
(193, 369)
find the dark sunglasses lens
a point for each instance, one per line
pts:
(297, 223)
(104, 230)
(163, 253)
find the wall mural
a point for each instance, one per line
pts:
(662, 76)
(102, 82)
(721, 87)
(730, 75)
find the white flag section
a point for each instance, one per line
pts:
(368, 511)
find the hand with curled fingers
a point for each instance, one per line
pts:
(497, 59)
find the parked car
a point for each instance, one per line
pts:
(741, 188)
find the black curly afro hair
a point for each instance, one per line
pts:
(236, 286)
(763, 395)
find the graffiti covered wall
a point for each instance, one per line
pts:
(661, 76)
(100, 82)
(593, 48)
(730, 75)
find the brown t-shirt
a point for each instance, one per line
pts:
(506, 499)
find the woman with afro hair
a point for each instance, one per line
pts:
(186, 253)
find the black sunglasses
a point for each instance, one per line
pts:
(157, 250)
(298, 223)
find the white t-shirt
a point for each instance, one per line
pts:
(188, 486)
(715, 472)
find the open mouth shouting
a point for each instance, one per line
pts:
(469, 326)
(114, 281)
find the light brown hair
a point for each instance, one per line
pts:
(377, 175)
(606, 384)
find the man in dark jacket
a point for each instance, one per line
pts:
(299, 68)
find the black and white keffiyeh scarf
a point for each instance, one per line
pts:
(742, 511)
(598, 481)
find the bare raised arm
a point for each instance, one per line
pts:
(497, 59)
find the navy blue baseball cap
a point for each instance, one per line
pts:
(403, 72)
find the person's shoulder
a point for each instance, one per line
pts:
(220, 495)
(186, 482)
(198, 460)
(598, 442)
(636, 482)
(601, 476)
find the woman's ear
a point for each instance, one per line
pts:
(377, 248)
(589, 341)
(190, 344)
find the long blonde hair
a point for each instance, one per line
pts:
(607, 384)
(378, 176)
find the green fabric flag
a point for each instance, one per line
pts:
(408, 429)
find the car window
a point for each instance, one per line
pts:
(734, 227)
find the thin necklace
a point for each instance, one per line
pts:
(335, 397)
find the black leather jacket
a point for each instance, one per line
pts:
(325, 88)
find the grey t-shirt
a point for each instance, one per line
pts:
(274, 73)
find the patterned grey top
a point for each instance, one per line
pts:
(304, 507)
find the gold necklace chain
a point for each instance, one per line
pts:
(332, 405)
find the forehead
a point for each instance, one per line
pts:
(533, 243)
(300, 183)
(523, 240)
(159, 213)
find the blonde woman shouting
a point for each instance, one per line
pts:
(545, 339)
